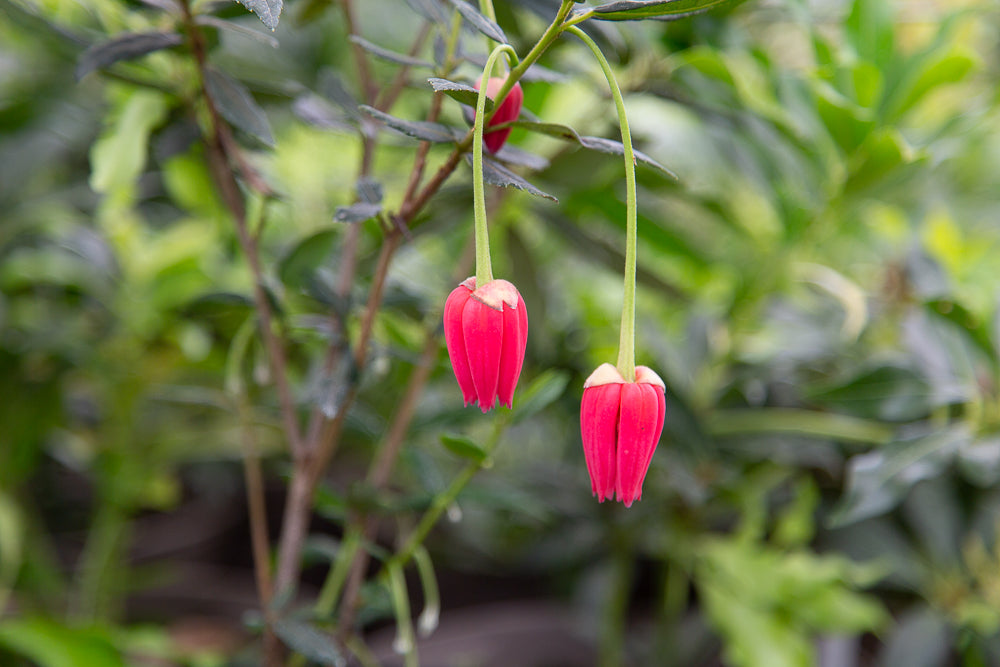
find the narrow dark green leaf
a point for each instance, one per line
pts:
(463, 447)
(237, 105)
(599, 144)
(358, 212)
(495, 173)
(616, 148)
(236, 28)
(661, 10)
(332, 87)
(434, 132)
(386, 54)
(888, 393)
(541, 393)
(267, 11)
(479, 22)
(124, 47)
(459, 92)
(309, 641)
(296, 268)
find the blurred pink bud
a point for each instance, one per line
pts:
(621, 423)
(508, 111)
(486, 331)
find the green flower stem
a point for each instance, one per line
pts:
(802, 422)
(405, 643)
(626, 341)
(330, 592)
(484, 269)
(486, 9)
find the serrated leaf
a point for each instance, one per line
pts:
(495, 173)
(267, 11)
(660, 10)
(386, 54)
(237, 106)
(358, 212)
(878, 480)
(309, 641)
(459, 92)
(124, 47)
(418, 129)
(599, 144)
(541, 393)
(480, 22)
(463, 447)
(236, 28)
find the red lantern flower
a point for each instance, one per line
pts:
(508, 111)
(621, 424)
(486, 331)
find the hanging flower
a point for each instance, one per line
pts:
(621, 424)
(486, 331)
(508, 111)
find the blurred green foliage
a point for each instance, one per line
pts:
(818, 288)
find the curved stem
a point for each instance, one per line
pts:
(484, 269)
(626, 341)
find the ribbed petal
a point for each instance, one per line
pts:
(483, 329)
(638, 434)
(515, 339)
(599, 412)
(455, 339)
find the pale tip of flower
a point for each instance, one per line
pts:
(469, 283)
(428, 621)
(605, 374)
(646, 375)
(496, 294)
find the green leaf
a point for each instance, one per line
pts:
(50, 644)
(870, 31)
(390, 56)
(599, 144)
(124, 47)
(890, 393)
(939, 70)
(541, 393)
(878, 480)
(495, 173)
(660, 10)
(521, 158)
(464, 447)
(309, 641)
(119, 156)
(267, 11)
(459, 92)
(433, 132)
(300, 263)
(237, 105)
(480, 22)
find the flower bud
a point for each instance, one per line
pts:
(486, 331)
(621, 423)
(508, 111)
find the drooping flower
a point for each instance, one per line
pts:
(508, 111)
(621, 423)
(486, 331)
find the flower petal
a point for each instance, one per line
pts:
(599, 412)
(483, 330)
(637, 438)
(515, 339)
(455, 339)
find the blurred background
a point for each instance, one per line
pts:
(818, 287)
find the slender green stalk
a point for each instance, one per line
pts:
(428, 620)
(626, 341)
(405, 642)
(338, 573)
(486, 9)
(484, 269)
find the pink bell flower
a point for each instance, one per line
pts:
(508, 111)
(486, 331)
(621, 423)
